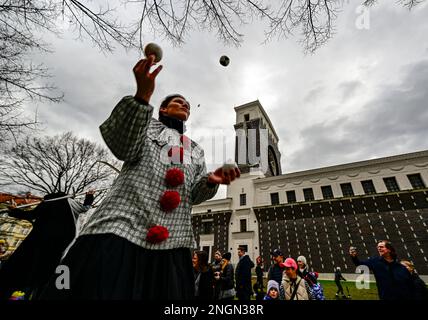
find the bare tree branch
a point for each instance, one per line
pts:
(22, 81)
(61, 163)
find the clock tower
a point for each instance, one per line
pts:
(256, 144)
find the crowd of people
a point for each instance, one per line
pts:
(290, 279)
(287, 280)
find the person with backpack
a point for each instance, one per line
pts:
(314, 288)
(292, 286)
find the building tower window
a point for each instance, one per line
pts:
(207, 227)
(291, 196)
(416, 181)
(308, 194)
(243, 199)
(243, 224)
(368, 187)
(347, 190)
(246, 117)
(327, 192)
(391, 184)
(206, 249)
(274, 198)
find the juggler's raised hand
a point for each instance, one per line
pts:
(224, 175)
(145, 79)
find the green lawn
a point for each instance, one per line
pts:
(356, 294)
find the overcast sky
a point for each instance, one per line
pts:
(361, 96)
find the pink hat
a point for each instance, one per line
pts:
(289, 263)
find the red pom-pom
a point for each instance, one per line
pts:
(174, 177)
(170, 200)
(185, 141)
(157, 234)
(176, 154)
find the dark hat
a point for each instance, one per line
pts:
(277, 253)
(168, 98)
(227, 256)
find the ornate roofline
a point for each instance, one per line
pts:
(347, 166)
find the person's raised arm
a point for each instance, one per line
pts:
(124, 131)
(145, 80)
(354, 256)
(28, 215)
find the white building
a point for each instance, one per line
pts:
(319, 212)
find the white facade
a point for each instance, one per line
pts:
(258, 190)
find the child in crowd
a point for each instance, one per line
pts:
(272, 291)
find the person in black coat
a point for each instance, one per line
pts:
(243, 276)
(54, 227)
(276, 270)
(337, 278)
(216, 266)
(226, 279)
(204, 276)
(421, 291)
(392, 278)
(259, 272)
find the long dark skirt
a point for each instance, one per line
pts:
(108, 267)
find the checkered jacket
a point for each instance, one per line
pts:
(132, 205)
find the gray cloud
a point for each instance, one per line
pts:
(394, 122)
(314, 94)
(349, 89)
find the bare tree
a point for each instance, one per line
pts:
(62, 163)
(313, 19)
(21, 81)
